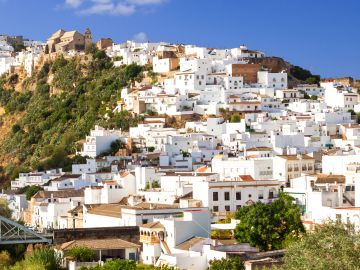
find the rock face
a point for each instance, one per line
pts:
(275, 64)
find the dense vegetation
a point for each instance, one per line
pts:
(70, 97)
(269, 226)
(234, 263)
(331, 246)
(81, 254)
(4, 209)
(40, 259)
(304, 75)
(119, 264)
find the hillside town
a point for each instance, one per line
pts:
(221, 130)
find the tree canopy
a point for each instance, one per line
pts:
(268, 226)
(235, 118)
(81, 254)
(4, 209)
(331, 246)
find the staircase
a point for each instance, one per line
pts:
(351, 201)
(164, 247)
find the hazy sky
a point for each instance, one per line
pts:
(320, 35)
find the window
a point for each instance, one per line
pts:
(227, 196)
(215, 196)
(238, 207)
(238, 196)
(227, 208)
(261, 195)
(215, 208)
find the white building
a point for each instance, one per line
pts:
(273, 80)
(99, 141)
(227, 196)
(287, 167)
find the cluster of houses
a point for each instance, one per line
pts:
(244, 136)
(25, 58)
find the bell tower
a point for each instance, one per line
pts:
(88, 37)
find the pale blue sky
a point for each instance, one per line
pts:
(320, 35)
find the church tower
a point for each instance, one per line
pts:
(88, 37)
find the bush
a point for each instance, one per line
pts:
(81, 254)
(15, 128)
(5, 259)
(41, 259)
(155, 184)
(227, 264)
(235, 118)
(117, 58)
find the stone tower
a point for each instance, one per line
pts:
(88, 37)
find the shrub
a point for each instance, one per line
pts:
(235, 118)
(82, 254)
(228, 264)
(41, 259)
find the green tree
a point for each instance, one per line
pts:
(235, 118)
(268, 226)
(155, 184)
(227, 264)
(306, 96)
(315, 79)
(4, 209)
(81, 254)
(31, 191)
(133, 73)
(18, 47)
(185, 153)
(115, 146)
(117, 58)
(304, 75)
(147, 185)
(331, 246)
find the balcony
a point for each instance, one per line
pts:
(149, 239)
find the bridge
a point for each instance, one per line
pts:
(12, 233)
